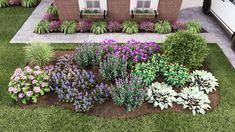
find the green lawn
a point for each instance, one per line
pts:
(58, 119)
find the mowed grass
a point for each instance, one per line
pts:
(52, 118)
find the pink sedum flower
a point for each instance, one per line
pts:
(21, 95)
(34, 81)
(31, 77)
(37, 89)
(43, 84)
(29, 93)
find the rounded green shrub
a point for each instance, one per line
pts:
(185, 48)
(99, 27)
(193, 26)
(163, 27)
(29, 3)
(4, 3)
(69, 27)
(130, 27)
(42, 27)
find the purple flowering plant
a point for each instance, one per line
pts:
(147, 26)
(55, 26)
(28, 84)
(179, 25)
(114, 26)
(84, 26)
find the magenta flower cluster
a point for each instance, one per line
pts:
(147, 26)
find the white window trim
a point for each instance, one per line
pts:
(82, 5)
(153, 4)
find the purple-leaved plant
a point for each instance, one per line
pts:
(14, 2)
(178, 25)
(84, 26)
(147, 26)
(55, 26)
(49, 16)
(114, 26)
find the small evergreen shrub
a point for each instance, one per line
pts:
(99, 27)
(84, 26)
(185, 48)
(69, 27)
(163, 27)
(42, 27)
(39, 53)
(194, 26)
(129, 92)
(4, 3)
(114, 26)
(29, 3)
(147, 26)
(130, 27)
(52, 10)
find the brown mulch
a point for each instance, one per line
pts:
(109, 110)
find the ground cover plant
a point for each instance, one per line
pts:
(53, 118)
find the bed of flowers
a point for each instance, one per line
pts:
(120, 80)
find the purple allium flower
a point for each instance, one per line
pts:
(21, 95)
(178, 25)
(84, 26)
(36, 89)
(29, 93)
(55, 26)
(147, 26)
(14, 2)
(114, 26)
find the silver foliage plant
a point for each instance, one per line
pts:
(194, 99)
(161, 94)
(204, 80)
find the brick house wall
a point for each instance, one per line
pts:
(118, 10)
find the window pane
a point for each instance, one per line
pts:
(89, 4)
(140, 4)
(97, 4)
(147, 4)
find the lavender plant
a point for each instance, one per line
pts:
(114, 26)
(147, 26)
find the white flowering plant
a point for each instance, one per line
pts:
(161, 94)
(204, 80)
(194, 99)
(28, 84)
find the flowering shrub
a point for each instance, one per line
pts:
(114, 26)
(161, 94)
(14, 2)
(194, 99)
(134, 51)
(204, 80)
(147, 26)
(74, 85)
(112, 67)
(178, 25)
(146, 72)
(129, 92)
(28, 85)
(176, 75)
(55, 26)
(84, 26)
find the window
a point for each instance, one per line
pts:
(233, 1)
(143, 4)
(93, 4)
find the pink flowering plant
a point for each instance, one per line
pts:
(28, 84)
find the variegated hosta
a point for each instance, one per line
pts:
(194, 99)
(161, 94)
(204, 80)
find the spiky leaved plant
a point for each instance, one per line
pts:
(52, 10)
(99, 27)
(130, 27)
(39, 53)
(42, 27)
(163, 27)
(69, 27)
(4, 3)
(193, 26)
(29, 3)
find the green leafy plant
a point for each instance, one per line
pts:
(161, 94)
(4, 3)
(204, 80)
(129, 92)
(130, 27)
(159, 62)
(42, 27)
(88, 55)
(163, 27)
(28, 85)
(99, 27)
(176, 75)
(146, 72)
(185, 48)
(194, 99)
(39, 53)
(112, 67)
(52, 10)
(29, 3)
(193, 26)
(69, 27)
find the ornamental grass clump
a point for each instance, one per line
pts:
(114, 26)
(204, 80)
(29, 3)
(161, 95)
(112, 67)
(55, 26)
(176, 75)
(185, 48)
(147, 26)
(129, 92)
(84, 26)
(130, 27)
(74, 85)
(52, 10)
(4, 3)
(163, 27)
(194, 99)
(42, 27)
(99, 27)
(193, 26)
(39, 53)
(69, 27)
(88, 55)
(27, 85)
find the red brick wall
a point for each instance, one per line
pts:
(118, 10)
